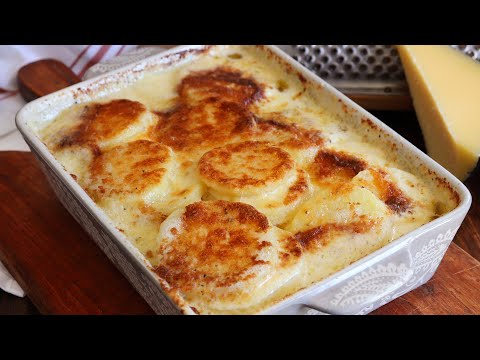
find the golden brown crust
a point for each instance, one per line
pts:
(225, 84)
(155, 215)
(103, 121)
(389, 192)
(335, 167)
(217, 244)
(321, 235)
(218, 106)
(293, 250)
(208, 212)
(129, 169)
(210, 106)
(286, 135)
(222, 255)
(336, 164)
(202, 126)
(298, 189)
(246, 164)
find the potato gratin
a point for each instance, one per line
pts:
(235, 183)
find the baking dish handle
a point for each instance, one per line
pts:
(315, 310)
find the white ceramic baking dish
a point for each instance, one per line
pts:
(365, 285)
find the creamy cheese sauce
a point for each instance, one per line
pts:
(235, 183)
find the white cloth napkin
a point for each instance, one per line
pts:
(12, 57)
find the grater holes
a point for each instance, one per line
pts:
(302, 49)
(476, 49)
(470, 50)
(342, 61)
(386, 60)
(379, 64)
(393, 68)
(385, 76)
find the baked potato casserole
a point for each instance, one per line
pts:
(234, 182)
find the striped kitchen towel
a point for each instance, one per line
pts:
(12, 57)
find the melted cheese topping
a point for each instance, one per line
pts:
(225, 256)
(258, 174)
(140, 180)
(235, 183)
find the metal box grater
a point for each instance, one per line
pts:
(360, 69)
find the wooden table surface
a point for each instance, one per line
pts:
(27, 205)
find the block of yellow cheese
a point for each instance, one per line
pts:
(445, 87)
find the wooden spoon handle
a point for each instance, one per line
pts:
(43, 77)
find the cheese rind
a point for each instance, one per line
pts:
(445, 87)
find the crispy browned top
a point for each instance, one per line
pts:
(287, 135)
(298, 189)
(216, 107)
(389, 192)
(219, 250)
(217, 244)
(103, 121)
(321, 235)
(225, 84)
(129, 168)
(246, 164)
(210, 104)
(330, 163)
(338, 166)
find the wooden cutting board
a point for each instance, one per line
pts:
(64, 272)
